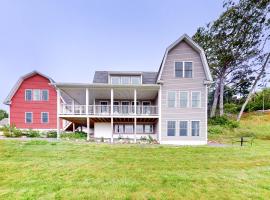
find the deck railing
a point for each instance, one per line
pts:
(126, 110)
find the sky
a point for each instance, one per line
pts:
(69, 39)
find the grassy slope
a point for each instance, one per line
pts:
(30, 170)
(257, 125)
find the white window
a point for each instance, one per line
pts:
(125, 80)
(135, 80)
(183, 99)
(45, 117)
(183, 128)
(128, 128)
(171, 125)
(44, 95)
(28, 117)
(171, 99)
(148, 128)
(36, 95)
(195, 128)
(28, 95)
(139, 128)
(183, 69)
(115, 80)
(119, 128)
(196, 99)
(179, 69)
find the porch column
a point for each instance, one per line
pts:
(159, 113)
(111, 101)
(88, 128)
(73, 127)
(58, 113)
(135, 113)
(112, 129)
(87, 101)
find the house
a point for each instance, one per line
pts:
(170, 104)
(32, 102)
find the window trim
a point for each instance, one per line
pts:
(180, 129)
(32, 118)
(175, 101)
(173, 120)
(180, 99)
(31, 94)
(200, 98)
(41, 118)
(195, 120)
(41, 91)
(184, 66)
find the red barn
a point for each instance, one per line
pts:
(33, 102)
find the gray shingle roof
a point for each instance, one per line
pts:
(147, 77)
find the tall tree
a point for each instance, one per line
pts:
(3, 114)
(231, 41)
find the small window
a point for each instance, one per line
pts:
(196, 100)
(195, 128)
(115, 80)
(139, 128)
(45, 117)
(183, 128)
(171, 128)
(45, 95)
(148, 128)
(183, 99)
(125, 80)
(188, 70)
(129, 128)
(28, 95)
(171, 99)
(118, 128)
(36, 95)
(28, 117)
(135, 80)
(179, 69)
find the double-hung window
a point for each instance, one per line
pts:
(44, 95)
(148, 128)
(28, 117)
(36, 95)
(119, 128)
(115, 80)
(28, 95)
(196, 99)
(139, 128)
(128, 128)
(183, 128)
(44, 117)
(171, 99)
(171, 126)
(183, 69)
(183, 99)
(135, 80)
(195, 128)
(125, 80)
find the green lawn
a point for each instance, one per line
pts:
(70, 170)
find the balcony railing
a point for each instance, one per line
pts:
(125, 110)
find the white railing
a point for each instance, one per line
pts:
(126, 110)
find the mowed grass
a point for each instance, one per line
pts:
(70, 170)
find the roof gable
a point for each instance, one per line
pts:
(196, 47)
(19, 82)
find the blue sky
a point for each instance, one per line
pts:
(68, 40)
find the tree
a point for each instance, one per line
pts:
(232, 41)
(3, 114)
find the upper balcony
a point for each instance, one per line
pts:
(108, 100)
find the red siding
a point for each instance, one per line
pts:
(19, 106)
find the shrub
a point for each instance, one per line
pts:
(223, 121)
(11, 131)
(215, 129)
(51, 134)
(75, 135)
(32, 133)
(231, 108)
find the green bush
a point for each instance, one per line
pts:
(215, 129)
(32, 133)
(231, 108)
(76, 135)
(223, 121)
(11, 131)
(51, 134)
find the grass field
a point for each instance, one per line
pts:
(72, 170)
(66, 170)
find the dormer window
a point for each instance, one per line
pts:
(183, 69)
(125, 80)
